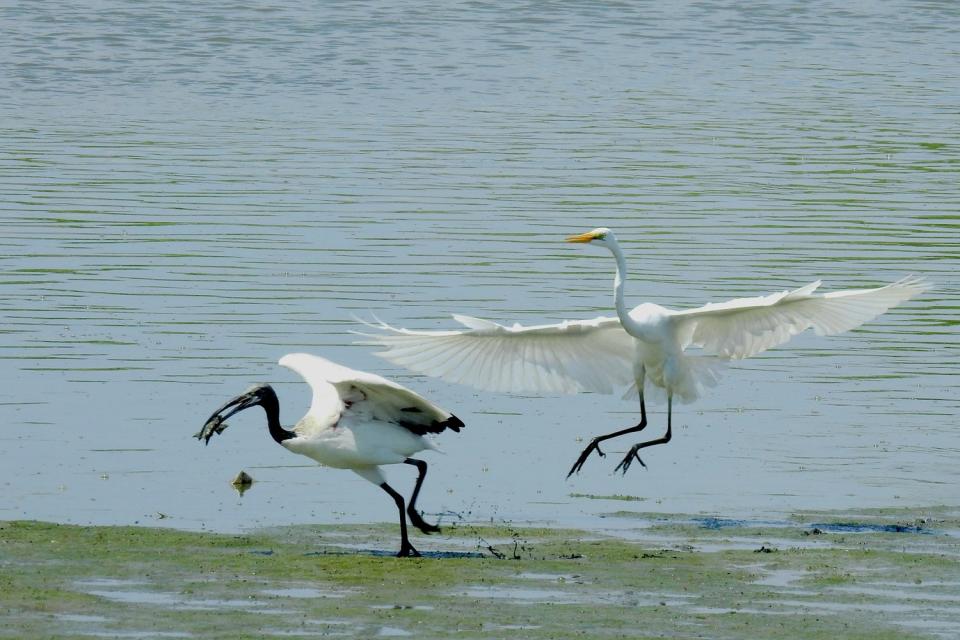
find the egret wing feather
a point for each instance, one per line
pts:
(747, 326)
(567, 357)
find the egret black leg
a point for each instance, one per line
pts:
(415, 518)
(406, 549)
(595, 443)
(628, 460)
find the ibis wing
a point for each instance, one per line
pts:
(568, 357)
(746, 326)
(341, 390)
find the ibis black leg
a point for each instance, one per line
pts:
(595, 443)
(415, 518)
(628, 460)
(406, 549)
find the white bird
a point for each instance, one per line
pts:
(647, 345)
(356, 421)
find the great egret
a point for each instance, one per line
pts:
(645, 345)
(356, 421)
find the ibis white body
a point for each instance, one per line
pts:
(354, 444)
(357, 421)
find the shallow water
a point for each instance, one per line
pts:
(188, 193)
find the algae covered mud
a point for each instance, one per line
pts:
(877, 574)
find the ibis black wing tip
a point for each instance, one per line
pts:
(434, 426)
(454, 423)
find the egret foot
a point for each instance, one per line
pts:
(594, 445)
(628, 460)
(407, 551)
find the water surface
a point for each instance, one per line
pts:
(188, 192)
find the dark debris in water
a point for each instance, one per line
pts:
(816, 529)
(712, 522)
(866, 527)
(242, 479)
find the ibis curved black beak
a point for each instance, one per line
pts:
(216, 423)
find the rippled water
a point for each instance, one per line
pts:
(189, 191)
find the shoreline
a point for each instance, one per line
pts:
(890, 573)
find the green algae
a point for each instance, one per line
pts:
(674, 579)
(614, 496)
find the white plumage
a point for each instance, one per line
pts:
(567, 357)
(356, 421)
(648, 344)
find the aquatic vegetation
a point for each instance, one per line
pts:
(556, 583)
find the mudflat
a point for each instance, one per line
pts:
(890, 573)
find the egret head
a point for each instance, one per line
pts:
(600, 235)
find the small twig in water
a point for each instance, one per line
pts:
(482, 543)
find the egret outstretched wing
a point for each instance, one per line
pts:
(746, 326)
(567, 357)
(644, 347)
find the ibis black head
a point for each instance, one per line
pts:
(258, 395)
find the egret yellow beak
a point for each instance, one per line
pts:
(583, 237)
